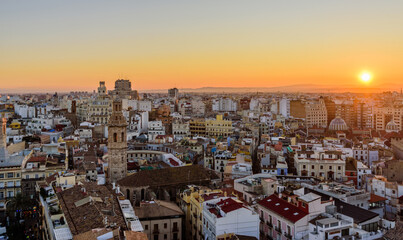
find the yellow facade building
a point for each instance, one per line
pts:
(218, 127)
(192, 204)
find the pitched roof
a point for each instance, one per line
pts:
(157, 209)
(375, 198)
(283, 208)
(229, 205)
(85, 217)
(169, 176)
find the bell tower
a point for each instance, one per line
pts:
(3, 141)
(117, 144)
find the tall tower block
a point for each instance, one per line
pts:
(117, 144)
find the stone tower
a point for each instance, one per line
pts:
(3, 141)
(102, 89)
(117, 144)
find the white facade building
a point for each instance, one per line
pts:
(227, 215)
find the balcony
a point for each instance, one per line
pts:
(278, 229)
(261, 219)
(270, 224)
(175, 229)
(156, 231)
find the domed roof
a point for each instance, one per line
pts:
(338, 124)
(392, 127)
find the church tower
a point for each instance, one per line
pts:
(3, 141)
(117, 144)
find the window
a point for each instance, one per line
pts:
(313, 166)
(339, 167)
(321, 166)
(146, 227)
(115, 137)
(155, 226)
(1, 175)
(175, 237)
(156, 237)
(10, 175)
(304, 166)
(330, 167)
(165, 225)
(165, 236)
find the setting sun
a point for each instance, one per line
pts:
(366, 77)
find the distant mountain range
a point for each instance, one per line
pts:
(308, 88)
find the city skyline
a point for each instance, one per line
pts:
(56, 46)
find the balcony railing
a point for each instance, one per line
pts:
(156, 231)
(175, 229)
(270, 224)
(278, 229)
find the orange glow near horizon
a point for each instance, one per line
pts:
(193, 45)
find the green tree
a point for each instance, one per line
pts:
(19, 202)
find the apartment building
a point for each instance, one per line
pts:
(322, 164)
(180, 130)
(384, 115)
(227, 215)
(316, 114)
(197, 127)
(161, 220)
(218, 127)
(192, 200)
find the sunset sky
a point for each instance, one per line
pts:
(72, 45)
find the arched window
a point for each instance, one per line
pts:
(115, 137)
(123, 136)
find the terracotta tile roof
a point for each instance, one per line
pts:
(375, 198)
(229, 205)
(169, 176)
(130, 235)
(88, 216)
(37, 159)
(283, 208)
(157, 209)
(173, 162)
